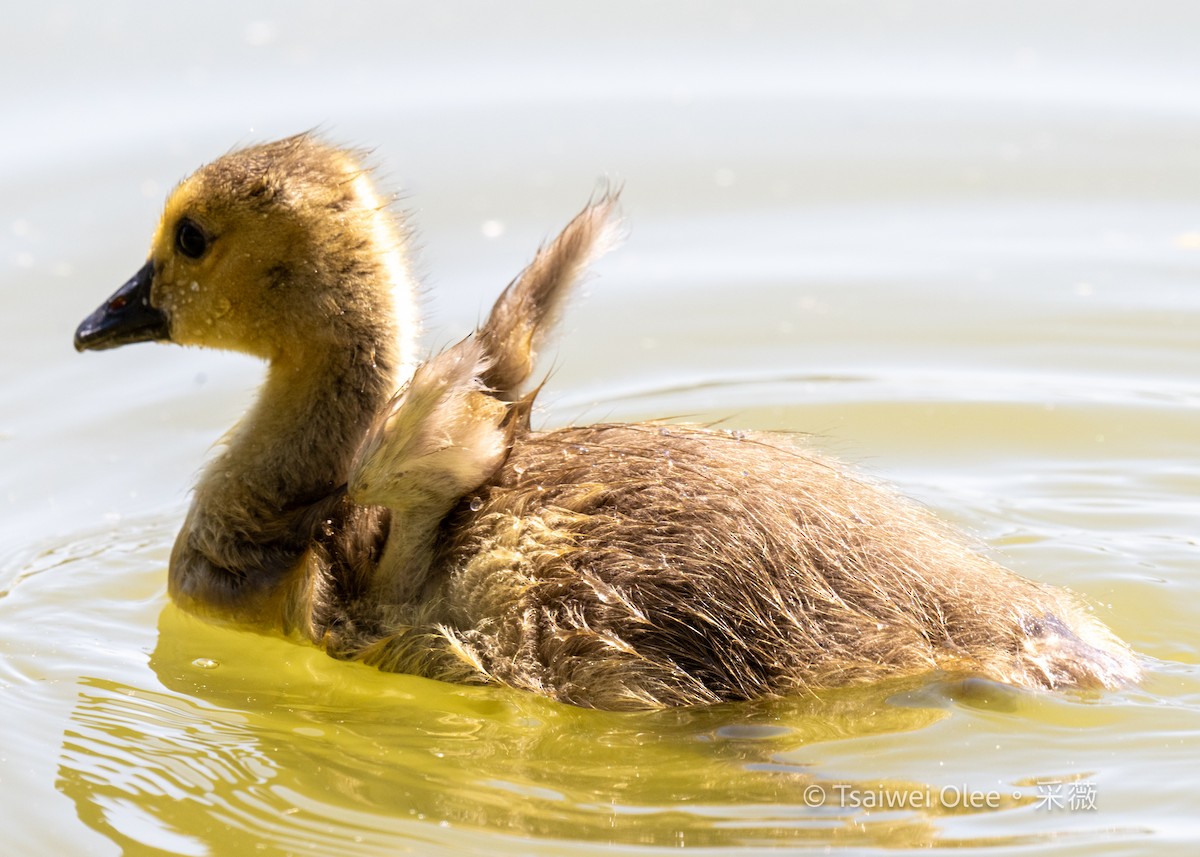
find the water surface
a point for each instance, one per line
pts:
(958, 244)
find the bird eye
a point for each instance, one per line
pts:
(190, 241)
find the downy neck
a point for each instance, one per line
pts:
(258, 505)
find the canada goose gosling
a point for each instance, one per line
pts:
(407, 516)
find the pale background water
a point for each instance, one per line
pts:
(960, 242)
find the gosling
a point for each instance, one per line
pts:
(404, 514)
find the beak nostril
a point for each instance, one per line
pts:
(117, 303)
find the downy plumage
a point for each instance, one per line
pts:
(405, 514)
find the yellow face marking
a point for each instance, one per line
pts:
(223, 298)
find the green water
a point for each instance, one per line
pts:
(960, 244)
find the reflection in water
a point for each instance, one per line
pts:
(139, 764)
(258, 739)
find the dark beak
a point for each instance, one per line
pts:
(124, 318)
